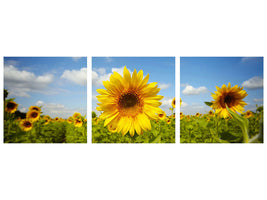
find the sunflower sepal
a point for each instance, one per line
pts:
(208, 103)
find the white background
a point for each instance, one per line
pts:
(132, 28)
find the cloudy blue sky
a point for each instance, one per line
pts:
(200, 75)
(58, 84)
(160, 70)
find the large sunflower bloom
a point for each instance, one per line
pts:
(33, 115)
(230, 96)
(25, 125)
(11, 107)
(129, 102)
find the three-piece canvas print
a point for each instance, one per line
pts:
(133, 100)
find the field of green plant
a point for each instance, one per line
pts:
(209, 128)
(161, 132)
(34, 127)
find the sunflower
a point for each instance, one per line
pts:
(197, 114)
(248, 114)
(36, 108)
(76, 115)
(70, 120)
(11, 107)
(112, 129)
(78, 122)
(25, 125)
(181, 115)
(180, 101)
(162, 115)
(129, 102)
(33, 115)
(211, 113)
(230, 96)
(56, 119)
(46, 121)
(173, 102)
(168, 121)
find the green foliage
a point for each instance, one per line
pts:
(160, 132)
(219, 130)
(93, 115)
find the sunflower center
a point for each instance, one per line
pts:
(27, 124)
(34, 115)
(129, 103)
(161, 115)
(228, 100)
(11, 105)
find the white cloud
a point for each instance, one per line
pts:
(253, 83)
(164, 86)
(20, 83)
(190, 90)
(59, 110)
(184, 84)
(184, 104)
(166, 104)
(98, 76)
(258, 100)
(76, 76)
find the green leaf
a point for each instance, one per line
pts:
(242, 122)
(208, 103)
(157, 139)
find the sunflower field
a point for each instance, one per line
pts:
(223, 124)
(33, 127)
(130, 112)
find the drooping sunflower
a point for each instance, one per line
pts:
(11, 107)
(230, 96)
(248, 114)
(129, 102)
(36, 108)
(78, 122)
(173, 102)
(33, 115)
(25, 125)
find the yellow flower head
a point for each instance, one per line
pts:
(46, 121)
(36, 108)
(162, 115)
(78, 122)
(173, 102)
(168, 121)
(230, 96)
(25, 125)
(70, 120)
(211, 113)
(181, 115)
(56, 119)
(11, 107)
(180, 101)
(76, 115)
(198, 115)
(33, 115)
(248, 114)
(129, 102)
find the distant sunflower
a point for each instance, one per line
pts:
(180, 101)
(173, 102)
(33, 115)
(162, 115)
(25, 125)
(70, 120)
(181, 115)
(248, 114)
(211, 113)
(75, 115)
(198, 114)
(168, 121)
(230, 96)
(56, 119)
(78, 122)
(11, 107)
(36, 108)
(46, 121)
(129, 102)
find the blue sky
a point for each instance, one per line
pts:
(160, 69)
(200, 75)
(58, 84)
